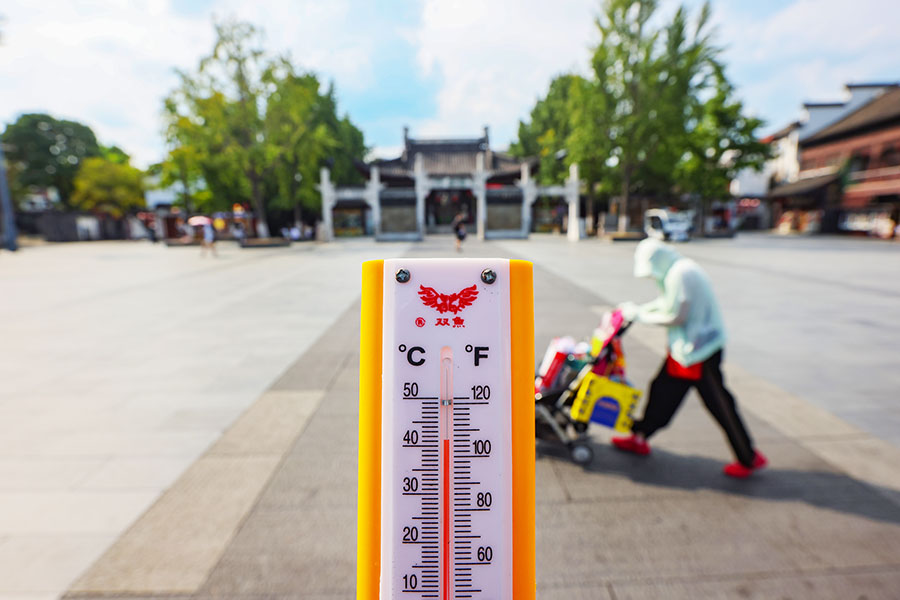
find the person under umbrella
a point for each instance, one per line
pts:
(209, 233)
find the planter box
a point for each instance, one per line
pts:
(265, 243)
(623, 236)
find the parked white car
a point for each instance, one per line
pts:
(668, 225)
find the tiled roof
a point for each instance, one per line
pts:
(786, 130)
(881, 109)
(803, 186)
(447, 157)
(448, 162)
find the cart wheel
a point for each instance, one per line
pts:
(581, 454)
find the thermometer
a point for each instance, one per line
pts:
(446, 432)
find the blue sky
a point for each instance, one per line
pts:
(443, 67)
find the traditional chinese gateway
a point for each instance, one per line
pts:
(433, 181)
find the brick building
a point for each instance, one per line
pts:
(849, 171)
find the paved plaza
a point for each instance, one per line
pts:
(186, 427)
(818, 316)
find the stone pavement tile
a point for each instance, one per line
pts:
(70, 512)
(323, 368)
(41, 473)
(316, 474)
(134, 443)
(174, 544)
(863, 585)
(549, 488)
(134, 473)
(36, 564)
(794, 417)
(290, 552)
(574, 592)
(322, 365)
(870, 459)
(270, 425)
(883, 422)
(796, 475)
(592, 542)
(142, 596)
(862, 530)
(347, 379)
(204, 419)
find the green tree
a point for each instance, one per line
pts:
(245, 128)
(48, 152)
(184, 169)
(295, 126)
(115, 154)
(647, 83)
(547, 133)
(17, 191)
(108, 187)
(656, 117)
(722, 143)
(218, 112)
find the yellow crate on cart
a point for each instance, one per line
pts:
(605, 402)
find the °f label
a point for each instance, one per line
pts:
(446, 512)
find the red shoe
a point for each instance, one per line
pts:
(739, 471)
(632, 444)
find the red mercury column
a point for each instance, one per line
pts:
(446, 398)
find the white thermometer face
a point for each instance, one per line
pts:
(446, 512)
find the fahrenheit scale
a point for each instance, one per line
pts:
(446, 456)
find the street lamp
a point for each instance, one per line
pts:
(8, 219)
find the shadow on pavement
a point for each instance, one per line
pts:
(664, 469)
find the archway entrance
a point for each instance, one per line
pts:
(442, 206)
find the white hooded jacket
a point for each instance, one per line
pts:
(687, 305)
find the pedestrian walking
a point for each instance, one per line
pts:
(696, 340)
(459, 229)
(209, 239)
(237, 231)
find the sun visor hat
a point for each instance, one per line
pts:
(643, 255)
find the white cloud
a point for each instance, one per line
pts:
(807, 50)
(110, 63)
(387, 152)
(496, 58)
(107, 66)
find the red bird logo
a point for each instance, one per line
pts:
(444, 303)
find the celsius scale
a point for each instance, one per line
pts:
(446, 430)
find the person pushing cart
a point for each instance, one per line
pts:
(696, 340)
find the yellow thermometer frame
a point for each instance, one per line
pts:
(521, 347)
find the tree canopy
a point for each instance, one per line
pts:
(245, 127)
(108, 187)
(47, 152)
(657, 116)
(548, 132)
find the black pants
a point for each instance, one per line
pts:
(667, 392)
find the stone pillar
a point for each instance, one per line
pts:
(329, 197)
(373, 187)
(479, 189)
(529, 196)
(422, 189)
(573, 233)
